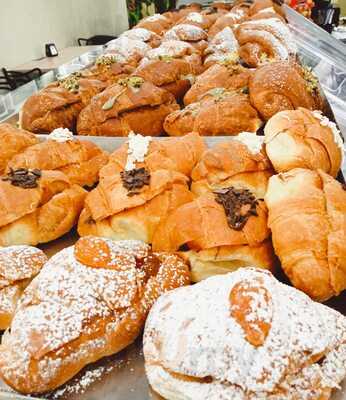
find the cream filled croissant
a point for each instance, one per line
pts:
(18, 266)
(307, 217)
(240, 162)
(13, 141)
(131, 201)
(244, 336)
(79, 160)
(89, 301)
(37, 206)
(303, 139)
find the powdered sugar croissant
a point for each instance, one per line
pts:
(244, 336)
(89, 301)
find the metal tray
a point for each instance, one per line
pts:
(121, 376)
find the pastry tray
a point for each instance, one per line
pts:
(122, 376)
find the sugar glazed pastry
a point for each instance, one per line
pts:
(18, 266)
(174, 75)
(13, 141)
(227, 74)
(79, 160)
(130, 105)
(307, 217)
(303, 139)
(241, 163)
(89, 301)
(132, 201)
(58, 105)
(37, 206)
(218, 112)
(223, 230)
(244, 336)
(281, 86)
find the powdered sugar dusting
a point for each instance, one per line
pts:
(253, 142)
(138, 147)
(170, 48)
(138, 34)
(190, 331)
(61, 135)
(190, 33)
(125, 47)
(195, 17)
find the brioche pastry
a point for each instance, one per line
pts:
(130, 105)
(59, 104)
(109, 69)
(79, 160)
(173, 75)
(303, 139)
(219, 112)
(227, 74)
(223, 44)
(243, 336)
(234, 17)
(89, 301)
(174, 49)
(264, 40)
(128, 50)
(241, 163)
(18, 266)
(37, 206)
(133, 202)
(281, 86)
(174, 154)
(144, 35)
(191, 34)
(307, 217)
(156, 23)
(13, 141)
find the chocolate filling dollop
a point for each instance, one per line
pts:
(135, 179)
(239, 205)
(24, 178)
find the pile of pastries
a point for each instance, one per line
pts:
(177, 238)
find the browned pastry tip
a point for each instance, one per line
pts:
(156, 23)
(13, 141)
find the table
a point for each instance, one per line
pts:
(50, 63)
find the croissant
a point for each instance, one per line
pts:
(130, 105)
(156, 23)
(263, 6)
(89, 301)
(191, 34)
(219, 112)
(196, 19)
(243, 335)
(59, 104)
(281, 86)
(126, 50)
(226, 75)
(307, 217)
(241, 163)
(18, 266)
(173, 75)
(235, 16)
(264, 40)
(109, 69)
(13, 141)
(303, 139)
(79, 160)
(37, 206)
(144, 35)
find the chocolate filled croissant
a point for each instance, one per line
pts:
(79, 160)
(264, 40)
(18, 266)
(227, 74)
(13, 141)
(59, 104)
(173, 75)
(130, 105)
(37, 206)
(281, 86)
(240, 162)
(218, 113)
(303, 139)
(307, 214)
(243, 336)
(89, 301)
